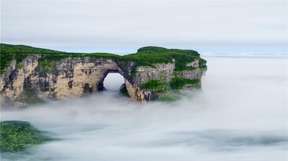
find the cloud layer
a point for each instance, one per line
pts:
(240, 114)
(126, 23)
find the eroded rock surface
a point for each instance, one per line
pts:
(72, 76)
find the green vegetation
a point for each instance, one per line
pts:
(168, 97)
(10, 52)
(175, 84)
(202, 63)
(179, 83)
(146, 56)
(19, 135)
(47, 66)
(155, 86)
(18, 53)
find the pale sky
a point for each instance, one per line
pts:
(119, 24)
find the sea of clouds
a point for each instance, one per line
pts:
(240, 114)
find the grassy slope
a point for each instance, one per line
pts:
(144, 56)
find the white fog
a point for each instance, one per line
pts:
(241, 113)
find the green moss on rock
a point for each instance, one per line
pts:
(176, 83)
(155, 86)
(179, 83)
(19, 135)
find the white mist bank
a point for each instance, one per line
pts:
(241, 114)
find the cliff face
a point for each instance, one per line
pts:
(39, 76)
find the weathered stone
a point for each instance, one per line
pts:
(157, 72)
(75, 77)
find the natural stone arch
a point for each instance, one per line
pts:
(84, 76)
(149, 73)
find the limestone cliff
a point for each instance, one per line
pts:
(28, 72)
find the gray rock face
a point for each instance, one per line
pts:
(69, 78)
(75, 77)
(191, 74)
(157, 72)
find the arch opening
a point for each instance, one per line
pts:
(112, 81)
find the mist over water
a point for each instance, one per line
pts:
(240, 114)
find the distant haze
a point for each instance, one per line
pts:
(113, 25)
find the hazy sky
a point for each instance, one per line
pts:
(118, 24)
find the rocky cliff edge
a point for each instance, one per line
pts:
(29, 75)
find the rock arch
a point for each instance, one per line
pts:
(87, 76)
(58, 75)
(70, 77)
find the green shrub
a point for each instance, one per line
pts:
(18, 135)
